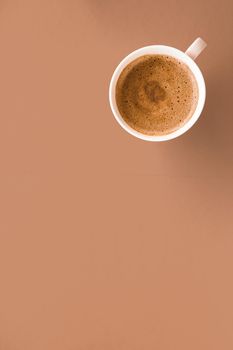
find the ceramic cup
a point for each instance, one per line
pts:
(188, 58)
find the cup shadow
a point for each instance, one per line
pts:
(211, 134)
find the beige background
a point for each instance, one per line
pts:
(108, 242)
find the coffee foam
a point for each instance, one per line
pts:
(156, 94)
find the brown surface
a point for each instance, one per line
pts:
(109, 242)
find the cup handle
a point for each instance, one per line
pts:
(196, 48)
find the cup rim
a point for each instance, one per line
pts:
(170, 51)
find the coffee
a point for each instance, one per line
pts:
(156, 94)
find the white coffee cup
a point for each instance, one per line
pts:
(188, 58)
